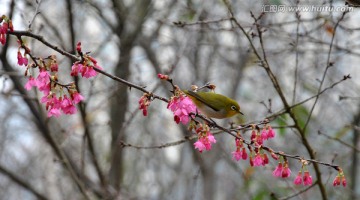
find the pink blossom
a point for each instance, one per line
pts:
(46, 88)
(88, 72)
(53, 105)
(298, 179)
(92, 60)
(264, 134)
(3, 30)
(78, 47)
(244, 154)
(340, 179)
(211, 138)
(43, 82)
(172, 105)
(86, 68)
(237, 155)
(163, 77)
(251, 161)
(95, 63)
(181, 107)
(75, 68)
(54, 67)
(67, 106)
(2, 39)
(177, 119)
(274, 156)
(238, 143)
(343, 181)
(205, 142)
(43, 79)
(30, 83)
(45, 99)
(253, 135)
(144, 102)
(76, 97)
(286, 171)
(259, 140)
(200, 146)
(22, 60)
(54, 112)
(278, 170)
(337, 181)
(307, 178)
(258, 160)
(265, 159)
(270, 133)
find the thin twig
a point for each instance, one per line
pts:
(277, 87)
(340, 141)
(346, 77)
(299, 192)
(38, 2)
(22, 183)
(75, 58)
(328, 65)
(296, 55)
(182, 23)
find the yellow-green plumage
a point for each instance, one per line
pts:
(214, 105)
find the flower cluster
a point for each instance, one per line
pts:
(86, 66)
(54, 104)
(259, 137)
(181, 106)
(306, 178)
(5, 25)
(340, 179)
(144, 102)
(257, 157)
(282, 170)
(58, 98)
(22, 60)
(163, 76)
(205, 138)
(42, 81)
(240, 152)
(260, 159)
(21, 57)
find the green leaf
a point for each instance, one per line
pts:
(261, 195)
(301, 113)
(281, 121)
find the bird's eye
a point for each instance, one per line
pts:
(233, 108)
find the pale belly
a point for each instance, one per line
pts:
(209, 112)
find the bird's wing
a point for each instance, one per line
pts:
(199, 98)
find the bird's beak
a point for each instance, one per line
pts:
(241, 112)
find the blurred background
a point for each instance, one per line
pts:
(81, 157)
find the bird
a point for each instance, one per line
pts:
(214, 105)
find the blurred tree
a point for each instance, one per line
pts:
(290, 67)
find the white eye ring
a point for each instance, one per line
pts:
(233, 108)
